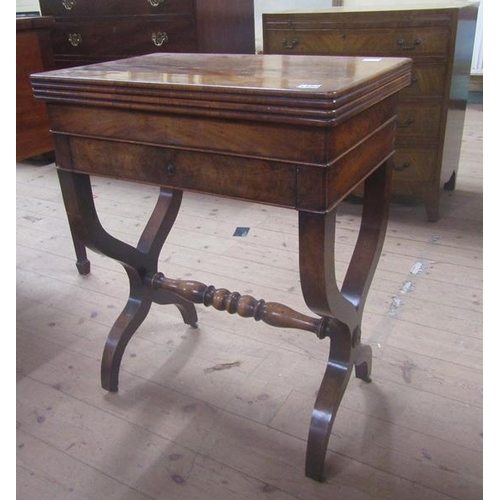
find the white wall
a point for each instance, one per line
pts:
(477, 55)
(27, 6)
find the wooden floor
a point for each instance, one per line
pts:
(222, 411)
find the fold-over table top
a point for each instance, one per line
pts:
(319, 90)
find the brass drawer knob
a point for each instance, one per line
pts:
(75, 39)
(289, 45)
(409, 45)
(159, 38)
(170, 169)
(68, 4)
(155, 3)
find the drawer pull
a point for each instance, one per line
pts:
(155, 3)
(170, 168)
(403, 166)
(409, 46)
(75, 39)
(289, 45)
(407, 123)
(413, 81)
(159, 38)
(68, 4)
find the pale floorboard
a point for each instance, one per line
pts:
(179, 427)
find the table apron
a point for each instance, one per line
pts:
(317, 188)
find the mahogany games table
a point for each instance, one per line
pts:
(299, 132)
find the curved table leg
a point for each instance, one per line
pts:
(345, 306)
(137, 261)
(331, 391)
(132, 316)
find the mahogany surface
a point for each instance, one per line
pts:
(298, 132)
(89, 31)
(33, 54)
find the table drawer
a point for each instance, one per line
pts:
(414, 165)
(243, 178)
(125, 36)
(418, 121)
(408, 42)
(76, 8)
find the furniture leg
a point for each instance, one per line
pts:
(363, 362)
(82, 262)
(138, 262)
(344, 306)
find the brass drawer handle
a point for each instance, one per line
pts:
(409, 46)
(155, 3)
(75, 39)
(159, 38)
(403, 166)
(68, 4)
(289, 45)
(407, 123)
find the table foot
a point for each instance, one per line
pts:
(83, 266)
(363, 362)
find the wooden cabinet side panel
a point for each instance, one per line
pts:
(225, 26)
(32, 127)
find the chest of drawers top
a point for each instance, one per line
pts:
(386, 28)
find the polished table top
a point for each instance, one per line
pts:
(245, 73)
(306, 88)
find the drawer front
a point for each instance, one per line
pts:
(408, 42)
(403, 42)
(414, 165)
(257, 180)
(418, 122)
(426, 80)
(124, 37)
(304, 42)
(76, 8)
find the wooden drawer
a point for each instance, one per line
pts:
(408, 42)
(243, 178)
(414, 165)
(428, 80)
(121, 37)
(418, 122)
(76, 8)
(305, 42)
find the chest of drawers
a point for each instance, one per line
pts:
(431, 111)
(91, 31)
